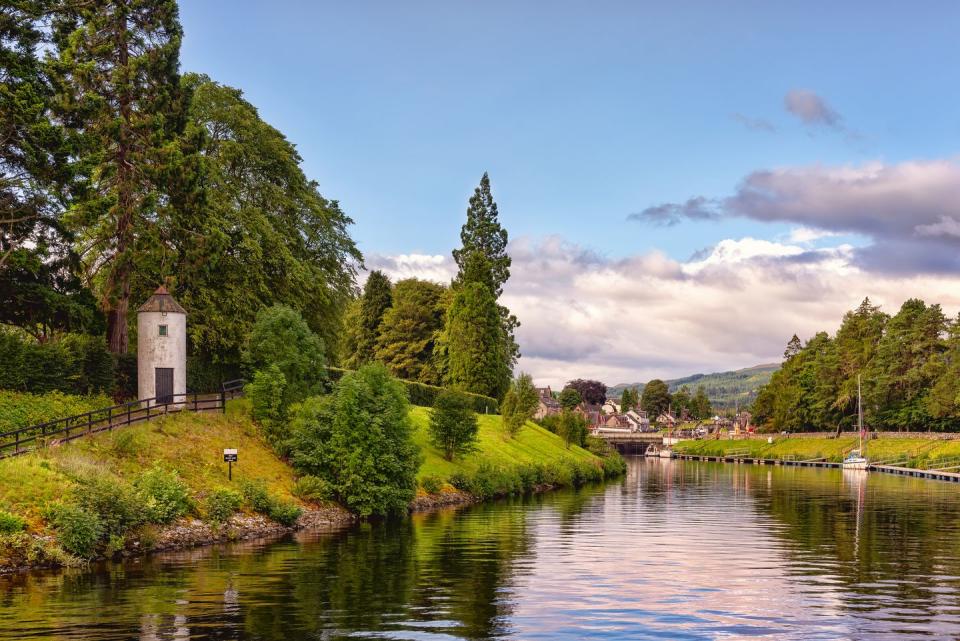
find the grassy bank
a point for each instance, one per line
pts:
(188, 448)
(912, 452)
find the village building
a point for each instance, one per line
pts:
(610, 407)
(547, 405)
(591, 413)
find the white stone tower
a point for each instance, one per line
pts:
(161, 349)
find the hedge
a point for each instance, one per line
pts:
(425, 395)
(76, 364)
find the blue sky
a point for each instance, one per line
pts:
(584, 113)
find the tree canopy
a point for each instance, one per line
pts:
(655, 399)
(593, 392)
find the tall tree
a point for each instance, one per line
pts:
(629, 399)
(410, 328)
(593, 392)
(262, 234)
(483, 257)
(115, 67)
(570, 398)
(474, 342)
(519, 404)
(377, 299)
(701, 407)
(655, 399)
(453, 424)
(39, 290)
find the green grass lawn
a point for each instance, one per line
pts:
(920, 452)
(533, 444)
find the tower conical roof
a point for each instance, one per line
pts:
(162, 301)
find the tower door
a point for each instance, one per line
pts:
(164, 387)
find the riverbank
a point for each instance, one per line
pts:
(188, 447)
(920, 453)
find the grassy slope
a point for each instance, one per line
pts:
(193, 445)
(532, 444)
(920, 451)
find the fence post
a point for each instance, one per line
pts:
(89, 422)
(110, 418)
(223, 398)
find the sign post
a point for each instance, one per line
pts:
(229, 457)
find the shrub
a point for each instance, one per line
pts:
(256, 495)
(431, 484)
(113, 500)
(78, 530)
(20, 548)
(11, 523)
(221, 504)
(519, 404)
(572, 428)
(115, 545)
(312, 488)
(425, 395)
(361, 441)
(460, 480)
(163, 494)
(453, 424)
(76, 364)
(124, 443)
(23, 409)
(284, 513)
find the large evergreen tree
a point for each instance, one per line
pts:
(475, 343)
(377, 299)
(115, 66)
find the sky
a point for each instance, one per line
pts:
(685, 184)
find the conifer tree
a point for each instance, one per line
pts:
(115, 65)
(482, 233)
(377, 299)
(475, 343)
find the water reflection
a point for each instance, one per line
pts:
(678, 550)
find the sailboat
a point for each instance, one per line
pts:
(856, 459)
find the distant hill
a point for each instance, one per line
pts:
(724, 389)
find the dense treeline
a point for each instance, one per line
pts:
(909, 365)
(458, 335)
(117, 174)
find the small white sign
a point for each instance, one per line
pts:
(229, 456)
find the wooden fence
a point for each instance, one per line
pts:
(26, 439)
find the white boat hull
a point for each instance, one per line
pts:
(666, 453)
(856, 464)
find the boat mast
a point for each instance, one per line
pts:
(860, 414)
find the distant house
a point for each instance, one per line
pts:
(547, 405)
(742, 422)
(610, 407)
(638, 421)
(591, 413)
(667, 419)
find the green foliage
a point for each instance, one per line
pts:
(426, 395)
(258, 497)
(655, 399)
(221, 503)
(519, 404)
(18, 410)
(572, 428)
(11, 523)
(376, 300)
(163, 495)
(700, 406)
(263, 233)
(266, 394)
(75, 364)
(570, 398)
(482, 234)
(409, 330)
(313, 489)
(725, 390)
(904, 363)
(360, 440)
(281, 338)
(629, 399)
(78, 530)
(489, 481)
(114, 501)
(453, 424)
(431, 484)
(475, 343)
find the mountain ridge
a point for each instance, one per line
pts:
(725, 390)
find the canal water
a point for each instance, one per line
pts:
(676, 550)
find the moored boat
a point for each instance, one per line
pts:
(856, 459)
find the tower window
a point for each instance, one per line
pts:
(163, 330)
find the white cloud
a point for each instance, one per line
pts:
(807, 235)
(434, 267)
(645, 316)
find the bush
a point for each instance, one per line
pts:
(113, 500)
(312, 488)
(519, 404)
(284, 513)
(221, 504)
(256, 495)
(23, 409)
(11, 523)
(78, 530)
(360, 440)
(20, 548)
(453, 424)
(76, 364)
(163, 494)
(431, 484)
